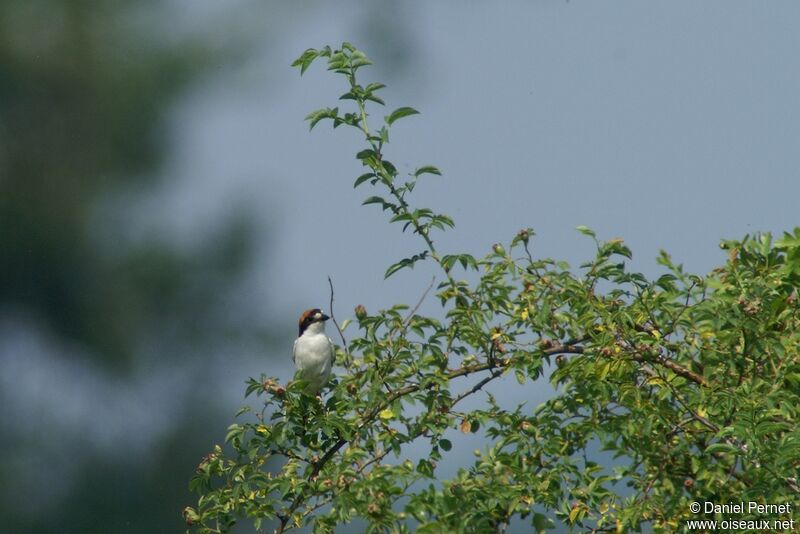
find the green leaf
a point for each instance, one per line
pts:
(234, 430)
(541, 523)
(373, 200)
(401, 217)
(378, 200)
(252, 385)
(445, 444)
(359, 59)
(449, 260)
(666, 282)
(199, 482)
(576, 513)
(374, 86)
(394, 268)
(405, 262)
(315, 116)
(425, 467)
(467, 260)
(367, 153)
(789, 241)
(614, 246)
(305, 59)
(427, 169)
(721, 447)
(520, 376)
(442, 221)
(399, 113)
(363, 178)
(389, 167)
(376, 99)
(585, 230)
(383, 134)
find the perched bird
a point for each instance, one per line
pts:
(313, 352)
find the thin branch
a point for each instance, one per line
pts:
(675, 368)
(684, 308)
(335, 322)
(528, 253)
(477, 387)
(419, 302)
(380, 456)
(663, 361)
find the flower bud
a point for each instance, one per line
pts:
(190, 515)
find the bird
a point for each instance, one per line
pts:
(313, 352)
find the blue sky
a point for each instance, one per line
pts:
(671, 125)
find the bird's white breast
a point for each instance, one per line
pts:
(313, 356)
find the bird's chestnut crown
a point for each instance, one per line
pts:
(308, 317)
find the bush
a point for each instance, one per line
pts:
(690, 382)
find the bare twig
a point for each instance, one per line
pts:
(419, 302)
(335, 322)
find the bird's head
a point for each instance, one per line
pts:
(311, 317)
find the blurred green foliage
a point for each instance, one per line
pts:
(83, 90)
(84, 87)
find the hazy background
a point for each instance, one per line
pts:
(165, 215)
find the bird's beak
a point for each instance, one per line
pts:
(324, 317)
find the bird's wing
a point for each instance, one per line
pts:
(294, 351)
(333, 351)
